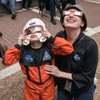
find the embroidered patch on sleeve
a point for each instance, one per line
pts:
(77, 57)
(29, 58)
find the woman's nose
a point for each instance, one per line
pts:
(71, 14)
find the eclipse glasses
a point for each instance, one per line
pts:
(36, 29)
(75, 13)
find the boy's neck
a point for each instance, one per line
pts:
(36, 44)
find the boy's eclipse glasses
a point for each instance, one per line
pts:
(35, 28)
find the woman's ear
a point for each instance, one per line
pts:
(63, 24)
(82, 24)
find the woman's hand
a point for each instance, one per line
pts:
(46, 34)
(53, 70)
(21, 37)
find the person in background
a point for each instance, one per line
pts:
(34, 52)
(28, 5)
(65, 2)
(12, 6)
(75, 73)
(52, 4)
(3, 46)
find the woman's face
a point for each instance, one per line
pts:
(73, 19)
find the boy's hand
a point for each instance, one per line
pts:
(21, 37)
(46, 34)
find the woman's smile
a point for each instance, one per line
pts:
(71, 20)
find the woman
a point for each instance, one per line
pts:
(76, 71)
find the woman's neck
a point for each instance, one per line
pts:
(72, 35)
(36, 44)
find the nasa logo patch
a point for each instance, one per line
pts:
(77, 57)
(29, 58)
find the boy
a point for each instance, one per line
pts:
(33, 57)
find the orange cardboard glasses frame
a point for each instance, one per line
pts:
(36, 28)
(75, 13)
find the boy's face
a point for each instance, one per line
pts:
(34, 36)
(35, 31)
